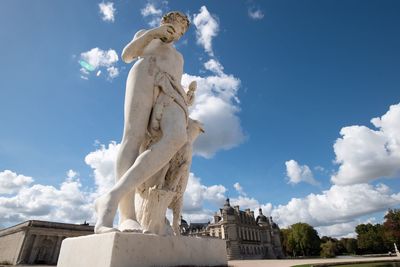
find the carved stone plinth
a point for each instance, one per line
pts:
(132, 249)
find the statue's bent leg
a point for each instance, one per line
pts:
(173, 126)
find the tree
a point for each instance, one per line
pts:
(328, 249)
(305, 240)
(287, 241)
(349, 245)
(370, 238)
(391, 228)
(325, 239)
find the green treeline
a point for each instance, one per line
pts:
(301, 239)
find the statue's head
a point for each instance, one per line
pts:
(179, 21)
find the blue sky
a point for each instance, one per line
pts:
(278, 80)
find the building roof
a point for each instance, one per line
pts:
(227, 208)
(198, 226)
(261, 218)
(46, 224)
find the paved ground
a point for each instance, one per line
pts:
(288, 263)
(273, 263)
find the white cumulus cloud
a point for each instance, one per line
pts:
(217, 107)
(112, 71)
(98, 59)
(255, 13)
(150, 10)
(107, 10)
(196, 194)
(152, 14)
(102, 162)
(339, 230)
(10, 182)
(338, 205)
(299, 173)
(239, 189)
(246, 202)
(215, 67)
(366, 154)
(67, 203)
(207, 28)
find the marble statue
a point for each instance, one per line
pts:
(156, 149)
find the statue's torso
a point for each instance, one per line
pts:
(159, 56)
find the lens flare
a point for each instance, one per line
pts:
(86, 65)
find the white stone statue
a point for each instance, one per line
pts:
(155, 154)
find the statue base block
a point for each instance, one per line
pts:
(133, 249)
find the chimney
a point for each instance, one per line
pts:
(216, 218)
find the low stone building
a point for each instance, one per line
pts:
(246, 237)
(37, 242)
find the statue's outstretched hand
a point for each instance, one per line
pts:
(193, 86)
(190, 92)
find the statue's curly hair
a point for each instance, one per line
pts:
(174, 16)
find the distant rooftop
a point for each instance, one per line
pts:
(46, 224)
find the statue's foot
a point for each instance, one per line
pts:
(130, 225)
(105, 210)
(103, 229)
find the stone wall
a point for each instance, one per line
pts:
(10, 246)
(37, 242)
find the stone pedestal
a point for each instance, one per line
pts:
(133, 249)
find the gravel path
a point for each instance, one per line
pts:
(289, 263)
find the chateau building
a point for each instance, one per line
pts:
(246, 237)
(37, 242)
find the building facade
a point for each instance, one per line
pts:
(246, 237)
(37, 242)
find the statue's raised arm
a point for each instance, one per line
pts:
(143, 37)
